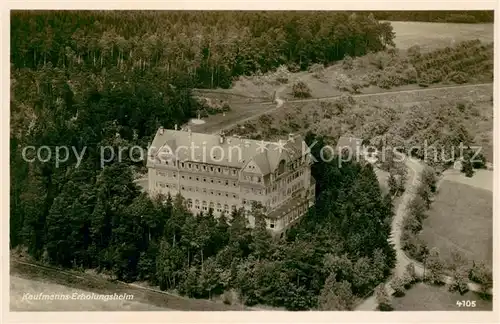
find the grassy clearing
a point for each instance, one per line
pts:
(482, 179)
(430, 36)
(423, 297)
(461, 218)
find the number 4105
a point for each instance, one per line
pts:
(466, 303)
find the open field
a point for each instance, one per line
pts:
(423, 297)
(436, 35)
(41, 279)
(461, 218)
(482, 179)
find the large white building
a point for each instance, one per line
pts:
(226, 173)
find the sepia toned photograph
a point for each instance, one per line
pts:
(166, 160)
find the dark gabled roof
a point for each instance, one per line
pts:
(233, 152)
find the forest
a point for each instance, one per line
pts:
(91, 79)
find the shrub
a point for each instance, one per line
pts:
(383, 298)
(392, 51)
(435, 267)
(301, 90)
(457, 77)
(379, 60)
(410, 272)
(316, 68)
(429, 178)
(460, 282)
(467, 168)
(282, 80)
(227, 298)
(411, 75)
(355, 87)
(347, 63)
(384, 82)
(424, 80)
(414, 51)
(482, 275)
(293, 67)
(417, 208)
(479, 162)
(226, 107)
(266, 120)
(398, 285)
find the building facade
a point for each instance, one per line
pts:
(227, 173)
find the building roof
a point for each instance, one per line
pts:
(231, 152)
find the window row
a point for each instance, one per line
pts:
(206, 205)
(203, 167)
(291, 217)
(171, 174)
(281, 183)
(294, 176)
(295, 164)
(249, 203)
(211, 192)
(166, 185)
(256, 179)
(295, 187)
(222, 182)
(254, 191)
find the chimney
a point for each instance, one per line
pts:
(175, 126)
(161, 130)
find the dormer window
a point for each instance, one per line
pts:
(281, 167)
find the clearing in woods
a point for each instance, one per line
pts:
(461, 218)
